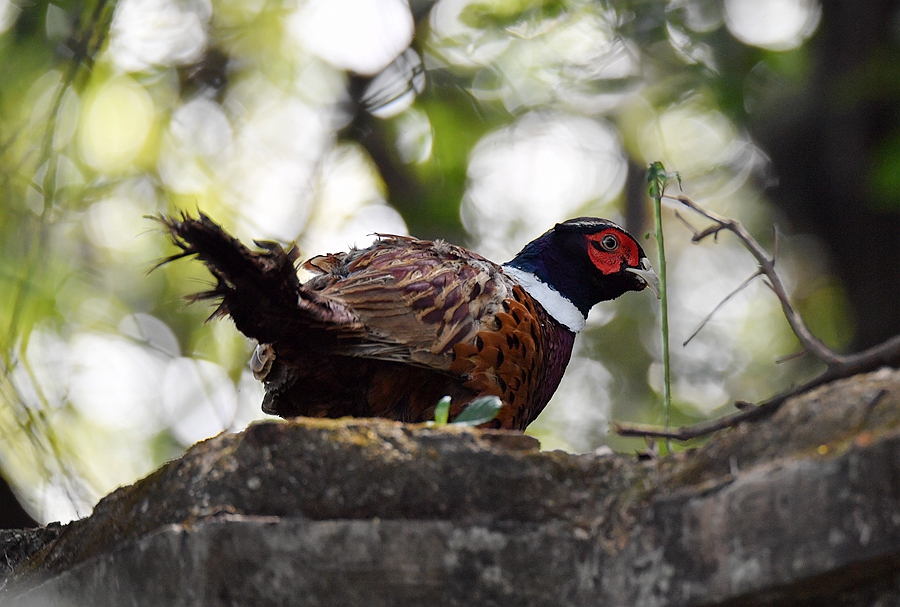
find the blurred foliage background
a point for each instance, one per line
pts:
(479, 121)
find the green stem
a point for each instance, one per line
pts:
(658, 179)
(664, 305)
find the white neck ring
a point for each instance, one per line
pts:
(561, 309)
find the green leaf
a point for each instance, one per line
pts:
(658, 179)
(479, 411)
(442, 411)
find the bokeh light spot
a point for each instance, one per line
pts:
(777, 25)
(199, 399)
(196, 141)
(540, 170)
(9, 12)
(115, 381)
(147, 33)
(351, 206)
(689, 136)
(362, 36)
(115, 125)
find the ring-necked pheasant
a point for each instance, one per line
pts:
(388, 330)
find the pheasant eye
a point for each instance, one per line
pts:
(609, 242)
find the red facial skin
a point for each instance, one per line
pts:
(611, 250)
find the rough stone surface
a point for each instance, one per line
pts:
(18, 545)
(799, 509)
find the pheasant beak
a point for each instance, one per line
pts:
(651, 280)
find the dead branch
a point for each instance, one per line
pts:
(838, 366)
(810, 342)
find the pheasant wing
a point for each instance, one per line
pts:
(415, 299)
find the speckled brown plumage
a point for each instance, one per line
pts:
(384, 331)
(516, 359)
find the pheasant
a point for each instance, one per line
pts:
(388, 330)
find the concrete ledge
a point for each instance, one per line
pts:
(781, 533)
(803, 508)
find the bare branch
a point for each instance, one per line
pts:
(767, 266)
(838, 366)
(747, 411)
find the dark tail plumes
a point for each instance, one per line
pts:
(259, 290)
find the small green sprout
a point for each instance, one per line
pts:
(442, 411)
(481, 410)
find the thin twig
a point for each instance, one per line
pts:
(790, 357)
(686, 223)
(776, 243)
(737, 290)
